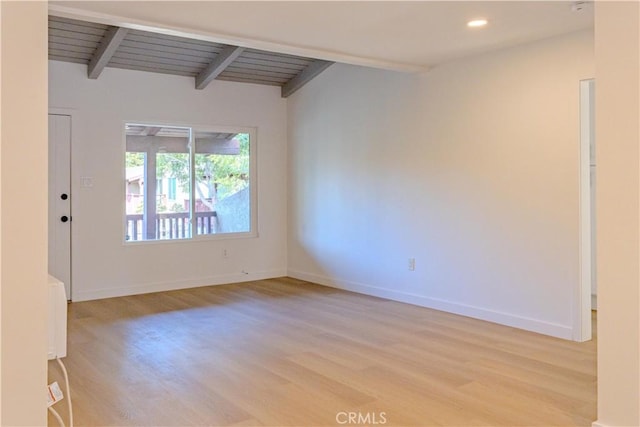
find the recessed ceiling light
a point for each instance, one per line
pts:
(477, 23)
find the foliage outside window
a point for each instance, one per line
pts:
(201, 182)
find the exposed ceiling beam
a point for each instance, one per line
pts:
(83, 11)
(151, 131)
(218, 65)
(110, 42)
(305, 76)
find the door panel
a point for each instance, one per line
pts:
(60, 199)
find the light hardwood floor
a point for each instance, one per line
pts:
(284, 352)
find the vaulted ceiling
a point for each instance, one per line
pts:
(287, 43)
(397, 35)
(99, 46)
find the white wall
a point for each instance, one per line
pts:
(102, 265)
(618, 209)
(23, 226)
(471, 169)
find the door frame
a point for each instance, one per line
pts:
(582, 300)
(74, 187)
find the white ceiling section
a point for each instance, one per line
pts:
(397, 35)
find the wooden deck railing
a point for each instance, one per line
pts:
(170, 226)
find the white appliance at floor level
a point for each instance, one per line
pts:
(57, 319)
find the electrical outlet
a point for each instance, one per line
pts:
(412, 264)
(225, 253)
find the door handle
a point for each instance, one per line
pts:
(64, 218)
(64, 196)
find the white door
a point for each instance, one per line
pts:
(60, 199)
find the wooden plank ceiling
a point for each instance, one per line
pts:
(99, 46)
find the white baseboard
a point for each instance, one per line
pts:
(146, 288)
(594, 302)
(598, 424)
(508, 319)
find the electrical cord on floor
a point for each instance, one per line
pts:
(66, 384)
(57, 415)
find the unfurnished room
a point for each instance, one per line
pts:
(323, 213)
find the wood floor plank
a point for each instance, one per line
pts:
(283, 352)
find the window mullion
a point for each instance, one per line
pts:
(192, 183)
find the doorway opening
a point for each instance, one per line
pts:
(587, 292)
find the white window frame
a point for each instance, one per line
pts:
(253, 182)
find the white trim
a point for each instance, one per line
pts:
(582, 297)
(508, 319)
(598, 424)
(192, 185)
(145, 288)
(137, 24)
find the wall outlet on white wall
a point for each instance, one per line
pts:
(412, 264)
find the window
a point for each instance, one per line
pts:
(188, 182)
